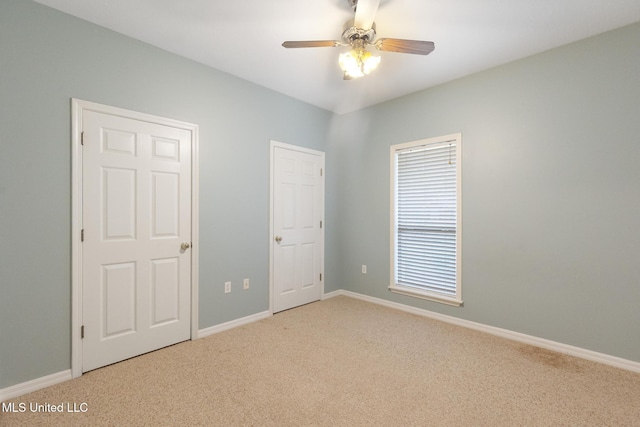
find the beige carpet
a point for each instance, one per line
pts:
(349, 363)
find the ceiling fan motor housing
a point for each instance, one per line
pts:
(352, 33)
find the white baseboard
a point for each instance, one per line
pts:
(570, 350)
(630, 365)
(49, 380)
(33, 385)
(332, 294)
(233, 324)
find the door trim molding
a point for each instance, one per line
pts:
(77, 108)
(273, 145)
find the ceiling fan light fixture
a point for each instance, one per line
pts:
(358, 63)
(359, 33)
(370, 63)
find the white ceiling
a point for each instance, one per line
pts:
(244, 38)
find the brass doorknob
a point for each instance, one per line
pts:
(185, 246)
(278, 239)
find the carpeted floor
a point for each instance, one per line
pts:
(344, 362)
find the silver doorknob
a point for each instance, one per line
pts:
(278, 239)
(185, 246)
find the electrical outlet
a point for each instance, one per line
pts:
(227, 287)
(245, 284)
(364, 269)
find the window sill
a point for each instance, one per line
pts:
(403, 290)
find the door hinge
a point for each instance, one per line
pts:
(320, 171)
(82, 138)
(320, 224)
(82, 331)
(321, 277)
(82, 235)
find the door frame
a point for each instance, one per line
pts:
(78, 106)
(273, 145)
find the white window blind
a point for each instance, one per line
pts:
(426, 217)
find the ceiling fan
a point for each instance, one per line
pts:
(360, 33)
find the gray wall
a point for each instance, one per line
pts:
(550, 198)
(46, 58)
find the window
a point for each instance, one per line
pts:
(425, 219)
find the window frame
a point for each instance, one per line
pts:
(455, 300)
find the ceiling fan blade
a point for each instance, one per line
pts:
(417, 47)
(312, 43)
(365, 13)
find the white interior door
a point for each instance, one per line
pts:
(136, 220)
(297, 229)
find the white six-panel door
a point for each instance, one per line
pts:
(297, 214)
(136, 220)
